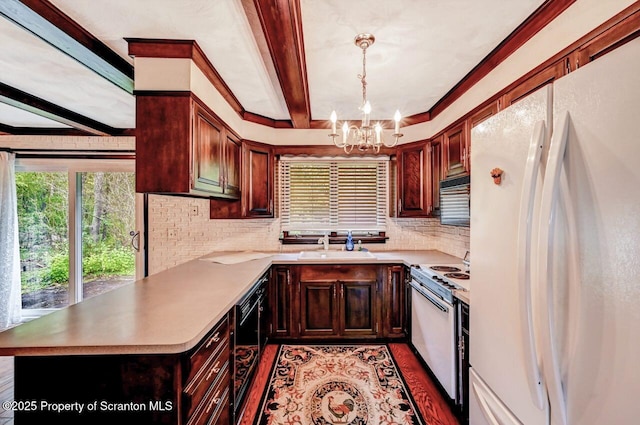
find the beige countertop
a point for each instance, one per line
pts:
(168, 312)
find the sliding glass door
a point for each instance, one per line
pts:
(78, 234)
(43, 220)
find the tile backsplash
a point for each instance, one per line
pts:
(180, 230)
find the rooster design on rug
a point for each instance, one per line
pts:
(340, 410)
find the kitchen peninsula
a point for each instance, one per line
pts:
(154, 343)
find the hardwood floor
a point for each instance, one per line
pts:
(432, 406)
(6, 388)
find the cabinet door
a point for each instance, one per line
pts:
(280, 302)
(394, 312)
(485, 113)
(319, 308)
(434, 174)
(456, 151)
(413, 188)
(258, 180)
(207, 152)
(233, 149)
(358, 301)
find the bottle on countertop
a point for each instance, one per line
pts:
(349, 244)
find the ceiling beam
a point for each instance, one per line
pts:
(282, 26)
(50, 24)
(19, 99)
(40, 131)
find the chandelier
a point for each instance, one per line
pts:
(366, 136)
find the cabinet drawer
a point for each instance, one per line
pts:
(214, 407)
(211, 344)
(214, 370)
(338, 272)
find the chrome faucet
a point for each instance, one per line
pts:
(324, 240)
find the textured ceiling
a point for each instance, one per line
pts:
(422, 49)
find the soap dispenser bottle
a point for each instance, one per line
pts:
(349, 244)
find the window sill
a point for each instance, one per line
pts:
(334, 239)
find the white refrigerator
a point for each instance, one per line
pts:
(555, 304)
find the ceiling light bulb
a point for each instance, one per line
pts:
(334, 118)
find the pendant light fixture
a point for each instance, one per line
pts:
(367, 136)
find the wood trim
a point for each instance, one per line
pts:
(50, 24)
(185, 49)
(416, 118)
(282, 26)
(19, 99)
(546, 13)
(624, 30)
(269, 122)
(325, 150)
(334, 239)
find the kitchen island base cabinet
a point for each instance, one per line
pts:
(184, 388)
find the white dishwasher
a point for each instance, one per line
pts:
(433, 327)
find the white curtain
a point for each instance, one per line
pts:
(10, 298)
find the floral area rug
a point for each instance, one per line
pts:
(335, 385)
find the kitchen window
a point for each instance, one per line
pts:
(333, 196)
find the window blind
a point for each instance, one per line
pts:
(333, 195)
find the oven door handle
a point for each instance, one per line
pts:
(422, 292)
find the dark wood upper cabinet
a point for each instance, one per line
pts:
(537, 81)
(232, 151)
(456, 151)
(208, 150)
(482, 114)
(255, 171)
(412, 185)
(183, 148)
(258, 190)
(417, 170)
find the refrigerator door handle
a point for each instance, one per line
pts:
(549, 201)
(525, 237)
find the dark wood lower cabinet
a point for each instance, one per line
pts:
(319, 308)
(185, 388)
(334, 302)
(280, 302)
(338, 302)
(394, 308)
(359, 305)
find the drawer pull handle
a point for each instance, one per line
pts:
(215, 400)
(214, 369)
(213, 339)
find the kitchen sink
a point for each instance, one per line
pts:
(335, 255)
